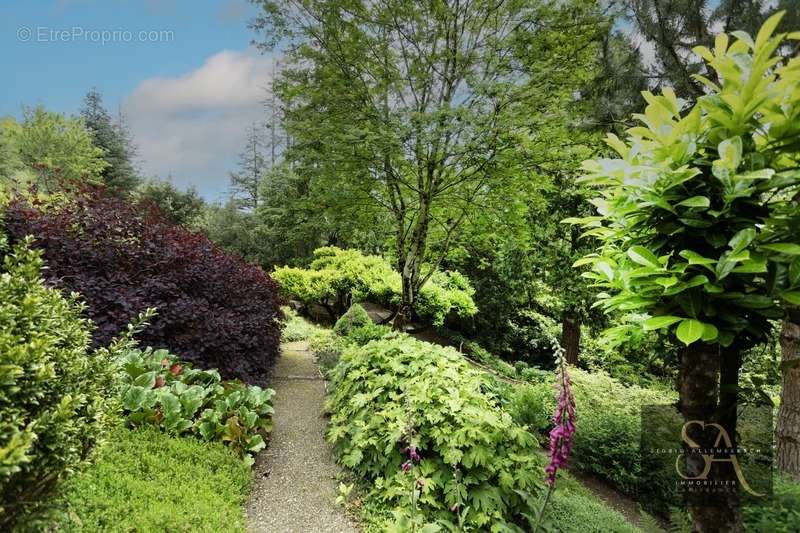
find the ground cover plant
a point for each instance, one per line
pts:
(160, 390)
(147, 480)
(214, 310)
(338, 278)
(56, 393)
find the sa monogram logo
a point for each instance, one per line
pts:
(722, 436)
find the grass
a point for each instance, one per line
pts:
(296, 328)
(573, 508)
(146, 481)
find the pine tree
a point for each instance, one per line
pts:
(115, 141)
(252, 165)
(674, 27)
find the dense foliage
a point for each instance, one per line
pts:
(607, 444)
(686, 231)
(336, 278)
(426, 122)
(214, 309)
(682, 214)
(51, 147)
(355, 317)
(159, 390)
(56, 396)
(182, 208)
(145, 480)
(781, 514)
(477, 466)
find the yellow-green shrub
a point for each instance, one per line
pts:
(336, 278)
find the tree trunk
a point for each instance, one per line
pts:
(405, 312)
(571, 338)
(700, 371)
(787, 433)
(411, 264)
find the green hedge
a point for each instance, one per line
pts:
(336, 278)
(145, 480)
(476, 462)
(55, 394)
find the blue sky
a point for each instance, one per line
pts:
(183, 73)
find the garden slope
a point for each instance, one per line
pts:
(294, 487)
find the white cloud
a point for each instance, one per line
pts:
(193, 126)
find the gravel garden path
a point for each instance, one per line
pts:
(294, 484)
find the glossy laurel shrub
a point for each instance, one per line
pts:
(55, 395)
(214, 309)
(470, 462)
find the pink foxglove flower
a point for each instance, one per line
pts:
(564, 419)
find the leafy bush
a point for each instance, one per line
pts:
(371, 332)
(476, 464)
(162, 391)
(607, 443)
(55, 147)
(336, 278)
(145, 480)
(533, 406)
(355, 317)
(780, 514)
(214, 310)
(54, 394)
(327, 347)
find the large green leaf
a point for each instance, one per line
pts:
(741, 240)
(793, 297)
(787, 248)
(696, 201)
(689, 331)
(643, 256)
(659, 322)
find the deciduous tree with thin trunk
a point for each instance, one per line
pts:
(420, 109)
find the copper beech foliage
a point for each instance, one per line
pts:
(214, 309)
